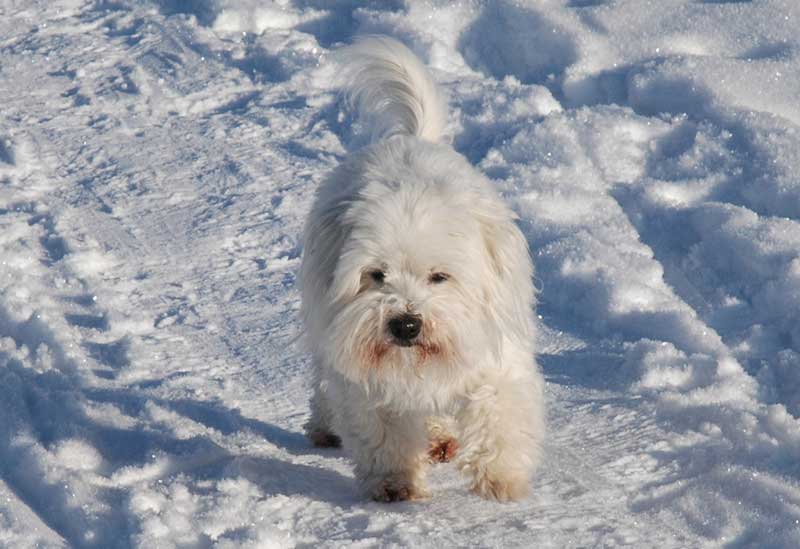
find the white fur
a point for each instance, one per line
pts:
(409, 206)
(389, 86)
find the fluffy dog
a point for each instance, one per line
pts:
(417, 298)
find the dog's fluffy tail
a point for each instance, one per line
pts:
(391, 89)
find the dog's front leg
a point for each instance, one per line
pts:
(390, 453)
(501, 427)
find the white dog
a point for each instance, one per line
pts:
(418, 299)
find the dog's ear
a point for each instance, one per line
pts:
(324, 240)
(510, 292)
(347, 277)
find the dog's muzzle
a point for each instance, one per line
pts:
(405, 328)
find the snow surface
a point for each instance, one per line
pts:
(157, 159)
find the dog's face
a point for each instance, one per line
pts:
(410, 284)
(412, 270)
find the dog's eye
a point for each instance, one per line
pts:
(377, 276)
(438, 278)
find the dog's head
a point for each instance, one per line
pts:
(430, 271)
(406, 281)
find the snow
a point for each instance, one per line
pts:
(157, 160)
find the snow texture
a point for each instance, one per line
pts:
(157, 161)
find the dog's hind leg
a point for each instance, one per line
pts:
(319, 426)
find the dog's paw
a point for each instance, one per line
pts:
(324, 439)
(502, 488)
(394, 489)
(442, 450)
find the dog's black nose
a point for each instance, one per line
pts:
(405, 327)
